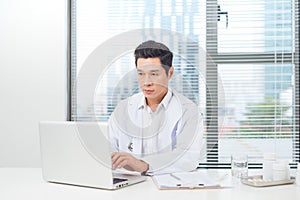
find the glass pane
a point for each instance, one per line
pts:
(257, 111)
(98, 22)
(255, 26)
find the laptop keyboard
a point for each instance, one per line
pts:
(118, 180)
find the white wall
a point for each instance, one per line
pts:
(32, 75)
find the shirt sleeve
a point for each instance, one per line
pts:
(186, 154)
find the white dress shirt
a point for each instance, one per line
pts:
(169, 139)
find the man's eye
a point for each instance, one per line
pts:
(140, 73)
(154, 74)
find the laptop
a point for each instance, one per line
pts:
(79, 153)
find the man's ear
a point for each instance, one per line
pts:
(171, 72)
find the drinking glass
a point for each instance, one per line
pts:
(239, 165)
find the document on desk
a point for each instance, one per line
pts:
(185, 180)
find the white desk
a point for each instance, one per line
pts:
(27, 183)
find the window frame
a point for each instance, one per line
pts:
(218, 58)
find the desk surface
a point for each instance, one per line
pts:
(27, 183)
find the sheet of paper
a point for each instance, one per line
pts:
(197, 179)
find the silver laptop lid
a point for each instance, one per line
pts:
(76, 153)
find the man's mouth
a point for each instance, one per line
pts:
(148, 91)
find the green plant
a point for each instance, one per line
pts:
(266, 119)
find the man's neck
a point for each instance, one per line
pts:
(153, 104)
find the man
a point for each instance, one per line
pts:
(157, 130)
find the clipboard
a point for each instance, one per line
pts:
(185, 181)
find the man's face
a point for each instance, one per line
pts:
(153, 79)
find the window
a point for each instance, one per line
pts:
(238, 60)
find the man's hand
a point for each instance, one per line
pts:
(128, 162)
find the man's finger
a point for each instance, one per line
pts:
(114, 157)
(118, 159)
(123, 163)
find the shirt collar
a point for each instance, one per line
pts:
(142, 104)
(165, 102)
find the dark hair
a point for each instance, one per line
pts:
(152, 49)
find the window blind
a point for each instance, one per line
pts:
(237, 60)
(255, 54)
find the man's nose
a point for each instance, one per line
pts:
(147, 81)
